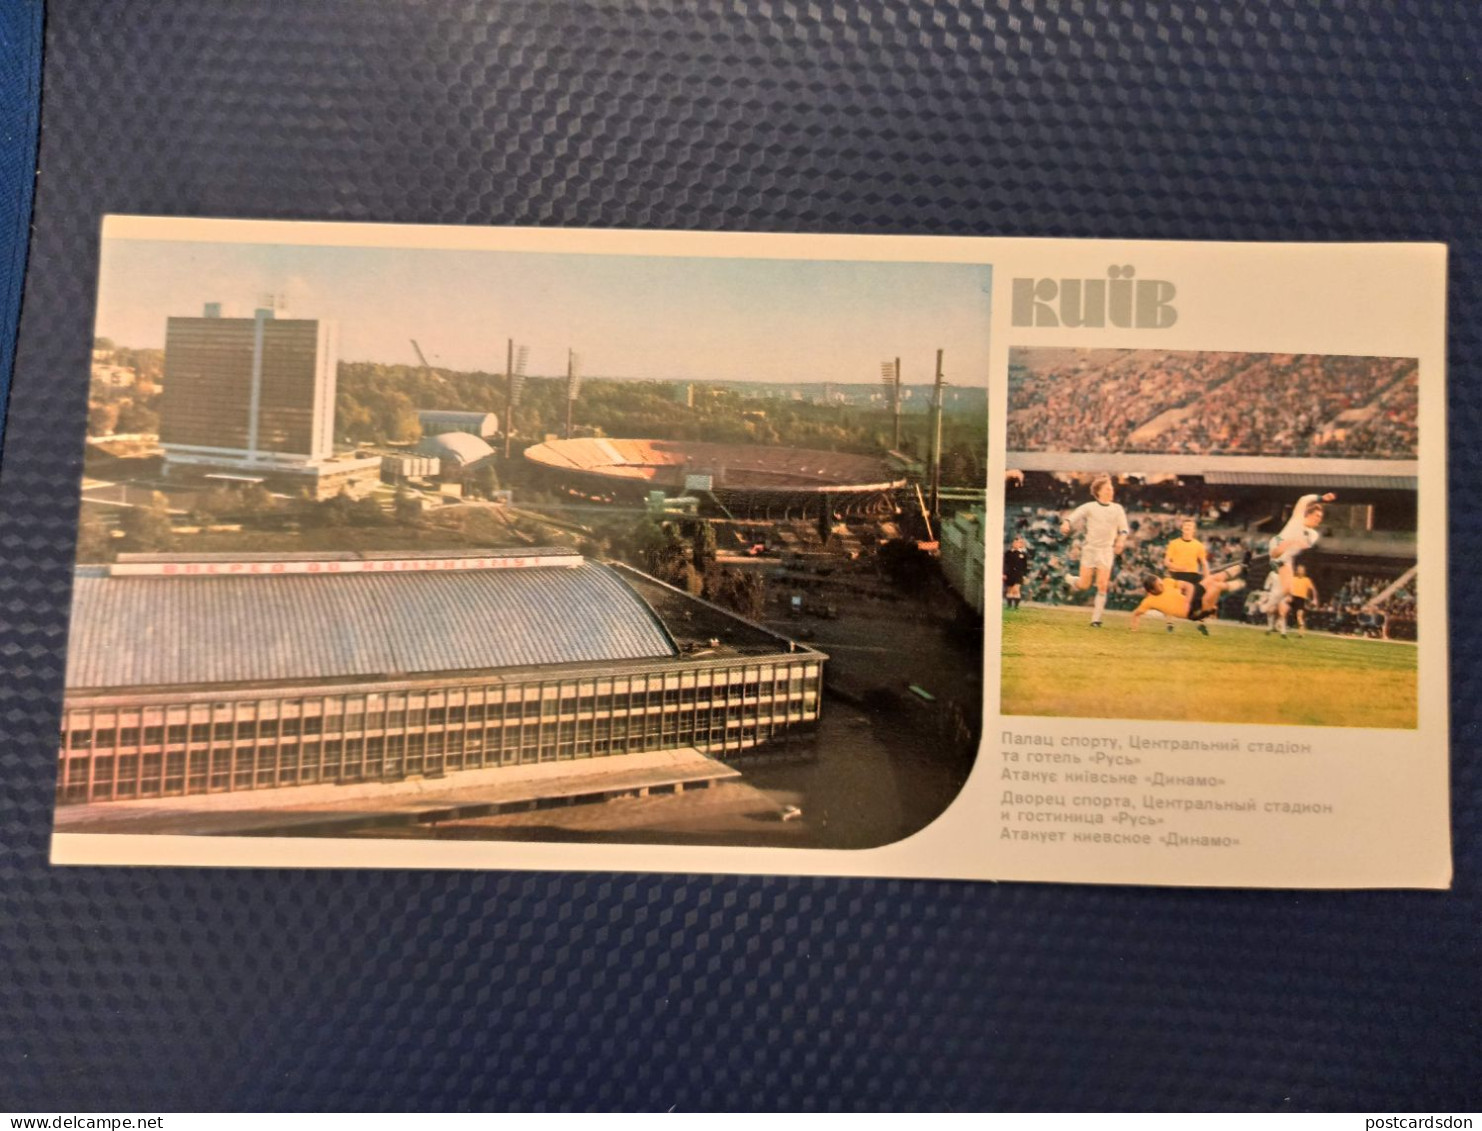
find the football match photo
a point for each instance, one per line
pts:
(1227, 596)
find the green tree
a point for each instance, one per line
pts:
(366, 512)
(399, 421)
(255, 499)
(213, 505)
(354, 420)
(743, 591)
(94, 542)
(484, 480)
(147, 528)
(645, 543)
(334, 512)
(407, 508)
(660, 551)
(134, 417)
(702, 546)
(692, 581)
(102, 419)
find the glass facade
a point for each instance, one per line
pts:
(207, 397)
(207, 394)
(290, 362)
(113, 749)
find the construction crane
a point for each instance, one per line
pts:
(422, 357)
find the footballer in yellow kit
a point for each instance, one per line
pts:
(1186, 557)
(1300, 594)
(1173, 599)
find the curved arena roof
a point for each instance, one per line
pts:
(460, 448)
(436, 421)
(133, 631)
(749, 468)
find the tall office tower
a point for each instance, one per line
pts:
(252, 399)
(248, 392)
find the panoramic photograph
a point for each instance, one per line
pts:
(458, 544)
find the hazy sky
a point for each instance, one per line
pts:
(729, 319)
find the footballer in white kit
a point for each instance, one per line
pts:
(1298, 535)
(1105, 526)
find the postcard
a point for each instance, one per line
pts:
(992, 559)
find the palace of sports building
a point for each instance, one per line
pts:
(217, 673)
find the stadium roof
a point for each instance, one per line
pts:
(488, 557)
(154, 631)
(745, 467)
(1276, 471)
(1312, 480)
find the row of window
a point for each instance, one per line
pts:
(202, 734)
(394, 711)
(118, 776)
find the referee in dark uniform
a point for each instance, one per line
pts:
(1015, 569)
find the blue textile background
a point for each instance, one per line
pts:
(135, 989)
(20, 105)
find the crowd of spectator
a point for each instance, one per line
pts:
(1191, 403)
(1390, 427)
(1402, 602)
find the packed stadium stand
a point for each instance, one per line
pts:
(1188, 403)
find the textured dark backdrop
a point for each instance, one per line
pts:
(146, 989)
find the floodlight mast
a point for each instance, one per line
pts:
(509, 394)
(897, 399)
(890, 377)
(514, 381)
(573, 384)
(935, 440)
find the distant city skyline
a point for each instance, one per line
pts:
(638, 317)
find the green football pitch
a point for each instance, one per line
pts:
(1054, 663)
